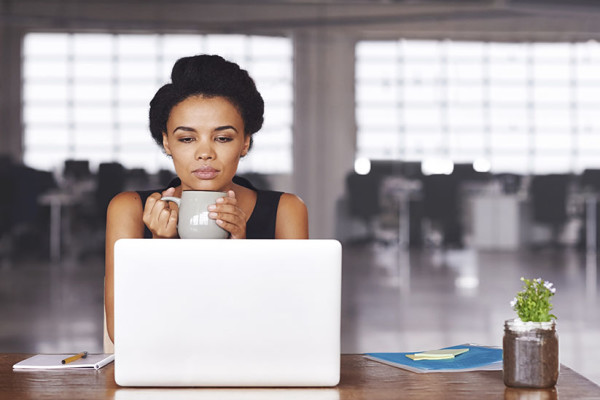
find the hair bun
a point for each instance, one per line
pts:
(201, 70)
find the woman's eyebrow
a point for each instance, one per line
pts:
(184, 128)
(224, 128)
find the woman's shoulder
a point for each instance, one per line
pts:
(125, 201)
(291, 200)
(124, 216)
(281, 199)
(293, 212)
(125, 197)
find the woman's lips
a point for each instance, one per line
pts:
(205, 173)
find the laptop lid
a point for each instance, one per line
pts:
(227, 312)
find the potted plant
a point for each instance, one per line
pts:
(530, 344)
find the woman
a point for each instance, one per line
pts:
(204, 120)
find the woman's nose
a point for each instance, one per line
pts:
(205, 152)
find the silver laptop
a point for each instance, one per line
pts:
(227, 312)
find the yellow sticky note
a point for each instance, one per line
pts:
(437, 354)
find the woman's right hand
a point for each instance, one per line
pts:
(161, 216)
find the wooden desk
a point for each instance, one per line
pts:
(360, 379)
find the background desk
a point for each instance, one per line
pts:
(361, 379)
(500, 222)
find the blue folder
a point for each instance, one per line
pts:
(477, 358)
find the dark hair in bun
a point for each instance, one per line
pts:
(209, 76)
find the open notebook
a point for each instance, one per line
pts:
(54, 361)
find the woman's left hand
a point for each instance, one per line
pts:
(229, 216)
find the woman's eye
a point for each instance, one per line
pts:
(223, 139)
(186, 139)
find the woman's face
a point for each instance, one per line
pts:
(206, 138)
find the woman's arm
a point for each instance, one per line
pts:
(123, 220)
(292, 218)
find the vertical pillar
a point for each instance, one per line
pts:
(11, 130)
(324, 126)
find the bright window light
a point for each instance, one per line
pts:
(482, 165)
(434, 166)
(362, 166)
(524, 107)
(86, 95)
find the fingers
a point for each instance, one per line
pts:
(169, 192)
(161, 216)
(229, 216)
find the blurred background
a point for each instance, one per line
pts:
(451, 146)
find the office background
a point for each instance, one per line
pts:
(451, 146)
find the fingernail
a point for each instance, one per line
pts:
(220, 222)
(212, 215)
(212, 207)
(220, 200)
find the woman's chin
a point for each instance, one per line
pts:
(212, 185)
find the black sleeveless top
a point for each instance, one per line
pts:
(260, 225)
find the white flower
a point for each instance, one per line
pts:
(513, 302)
(549, 286)
(538, 280)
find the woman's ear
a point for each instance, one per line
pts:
(166, 144)
(246, 146)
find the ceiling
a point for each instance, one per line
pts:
(484, 19)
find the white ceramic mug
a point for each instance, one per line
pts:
(193, 222)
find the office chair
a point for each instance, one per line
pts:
(549, 198)
(589, 184)
(549, 201)
(76, 169)
(362, 192)
(110, 182)
(441, 206)
(510, 183)
(29, 219)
